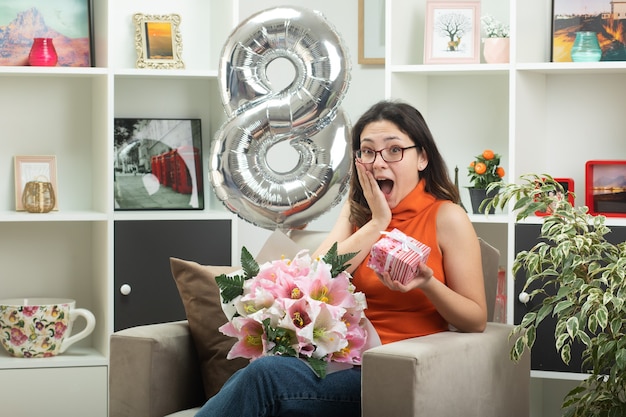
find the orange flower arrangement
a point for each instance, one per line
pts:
(485, 169)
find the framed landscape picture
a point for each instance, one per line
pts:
(67, 22)
(157, 164)
(158, 41)
(605, 187)
(604, 17)
(452, 32)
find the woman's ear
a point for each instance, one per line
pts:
(422, 161)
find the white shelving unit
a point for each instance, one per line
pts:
(540, 116)
(69, 112)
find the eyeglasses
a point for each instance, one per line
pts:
(391, 154)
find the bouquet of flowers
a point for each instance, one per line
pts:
(305, 308)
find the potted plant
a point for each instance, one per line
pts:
(483, 170)
(582, 280)
(496, 43)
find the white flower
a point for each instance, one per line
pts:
(493, 28)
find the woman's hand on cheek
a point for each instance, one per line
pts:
(374, 196)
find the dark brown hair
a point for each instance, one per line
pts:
(410, 121)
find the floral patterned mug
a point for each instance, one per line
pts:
(41, 327)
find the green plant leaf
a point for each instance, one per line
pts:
(561, 339)
(602, 315)
(620, 358)
(528, 319)
(518, 349)
(319, 366)
(338, 263)
(566, 354)
(572, 326)
(230, 286)
(249, 264)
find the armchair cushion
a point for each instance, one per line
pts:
(201, 298)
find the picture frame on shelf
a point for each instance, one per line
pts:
(568, 188)
(603, 17)
(158, 41)
(371, 32)
(605, 187)
(34, 168)
(157, 164)
(69, 23)
(452, 32)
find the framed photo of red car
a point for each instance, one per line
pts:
(568, 189)
(452, 32)
(605, 187)
(157, 164)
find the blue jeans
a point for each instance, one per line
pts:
(275, 386)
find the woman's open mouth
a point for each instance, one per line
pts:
(385, 186)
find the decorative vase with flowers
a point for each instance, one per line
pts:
(484, 170)
(496, 43)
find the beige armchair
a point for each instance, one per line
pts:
(154, 369)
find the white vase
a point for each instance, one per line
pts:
(496, 50)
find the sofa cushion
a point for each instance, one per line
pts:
(201, 298)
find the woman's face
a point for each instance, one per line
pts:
(395, 179)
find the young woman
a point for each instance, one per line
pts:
(401, 182)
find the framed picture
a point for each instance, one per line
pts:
(157, 164)
(158, 41)
(34, 168)
(568, 188)
(452, 32)
(604, 17)
(67, 22)
(605, 188)
(371, 32)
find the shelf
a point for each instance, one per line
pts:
(53, 216)
(570, 376)
(53, 71)
(75, 356)
(159, 73)
(591, 68)
(452, 69)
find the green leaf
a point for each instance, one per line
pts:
(560, 341)
(603, 317)
(319, 366)
(249, 264)
(566, 354)
(230, 287)
(572, 326)
(616, 326)
(528, 319)
(283, 339)
(518, 349)
(620, 358)
(338, 263)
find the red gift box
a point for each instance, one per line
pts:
(399, 254)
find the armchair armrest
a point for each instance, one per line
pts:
(447, 374)
(154, 371)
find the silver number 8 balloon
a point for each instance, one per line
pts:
(305, 113)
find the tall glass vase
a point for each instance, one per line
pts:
(586, 47)
(43, 53)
